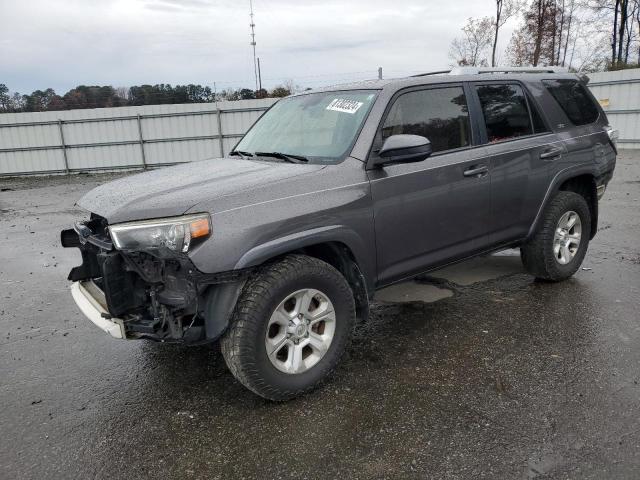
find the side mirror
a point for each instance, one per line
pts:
(403, 149)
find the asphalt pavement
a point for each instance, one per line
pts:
(477, 371)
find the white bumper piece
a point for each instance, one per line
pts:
(91, 301)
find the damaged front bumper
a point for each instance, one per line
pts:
(158, 296)
(92, 302)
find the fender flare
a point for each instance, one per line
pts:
(554, 187)
(306, 238)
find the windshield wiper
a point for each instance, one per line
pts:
(241, 154)
(287, 157)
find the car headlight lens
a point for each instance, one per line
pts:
(176, 233)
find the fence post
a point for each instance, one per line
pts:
(141, 140)
(220, 137)
(64, 147)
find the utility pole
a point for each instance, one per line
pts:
(253, 42)
(379, 73)
(259, 75)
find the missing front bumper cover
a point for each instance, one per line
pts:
(91, 301)
(139, 295)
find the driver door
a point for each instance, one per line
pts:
(437, 210)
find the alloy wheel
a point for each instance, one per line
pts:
(566, 240)
(300, 331)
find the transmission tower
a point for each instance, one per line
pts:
(253, 43)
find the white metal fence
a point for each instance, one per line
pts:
(619, 95)
(126, 137)
(154, 135)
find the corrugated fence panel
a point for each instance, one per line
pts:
(235, 123)
(32, 161)
(100, 132)
(32, 136)
(181, 126)
(183, 151)
(104, 158)
(619, 94)
(112, 138)
(228, 144)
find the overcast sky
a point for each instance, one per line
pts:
(64, 43)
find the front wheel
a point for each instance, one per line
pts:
(290, 327)
(557, 249)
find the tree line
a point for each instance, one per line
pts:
(583, 35)
(107, 96)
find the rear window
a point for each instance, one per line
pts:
(574, 99)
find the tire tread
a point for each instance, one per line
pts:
(248, 317)
(535, 254)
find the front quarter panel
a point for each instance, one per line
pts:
(332, 205)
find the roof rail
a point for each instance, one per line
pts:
(437, 72)
(479, 70)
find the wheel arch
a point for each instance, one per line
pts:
(585, 185)
(581, 180)
(335, 245)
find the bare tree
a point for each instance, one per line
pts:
(290, 85)
(569, 21)
(505, 9)
(123, 93)
(637, 19)
(629, 32)
(472, 47)
(534, 43)
(619, 15)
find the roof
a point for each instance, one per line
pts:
(460, 74)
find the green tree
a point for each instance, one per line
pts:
(473, 48)
(39, 100)
(5, 98)
(280, 92)
(247, 94)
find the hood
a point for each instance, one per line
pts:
(173, 190)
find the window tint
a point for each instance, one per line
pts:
(505, 112)
(440, 114)
(574, 100)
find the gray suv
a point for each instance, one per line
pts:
(276, 250)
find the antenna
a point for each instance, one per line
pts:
(253, 42)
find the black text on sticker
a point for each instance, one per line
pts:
(346, 106)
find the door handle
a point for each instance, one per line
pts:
(476, 171)
(551, 153)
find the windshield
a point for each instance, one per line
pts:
(318, 126)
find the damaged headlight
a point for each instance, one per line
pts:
(176, 233)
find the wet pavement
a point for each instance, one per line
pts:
(480, 372)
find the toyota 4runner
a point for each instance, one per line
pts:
(276, 250)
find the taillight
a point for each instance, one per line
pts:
(613, 133)
(613, 137)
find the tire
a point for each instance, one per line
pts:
(544, 256)
(262, 305)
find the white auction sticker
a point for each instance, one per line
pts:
(343, 105)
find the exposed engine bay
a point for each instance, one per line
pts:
(157, 295)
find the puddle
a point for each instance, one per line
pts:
(412, 292)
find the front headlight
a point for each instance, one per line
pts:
(176, 233)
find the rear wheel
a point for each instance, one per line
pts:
(557, 249)
(290, 327)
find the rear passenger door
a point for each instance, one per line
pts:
(520, 147)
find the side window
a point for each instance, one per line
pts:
(440, 114)
(574, 100)
(505, 112)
